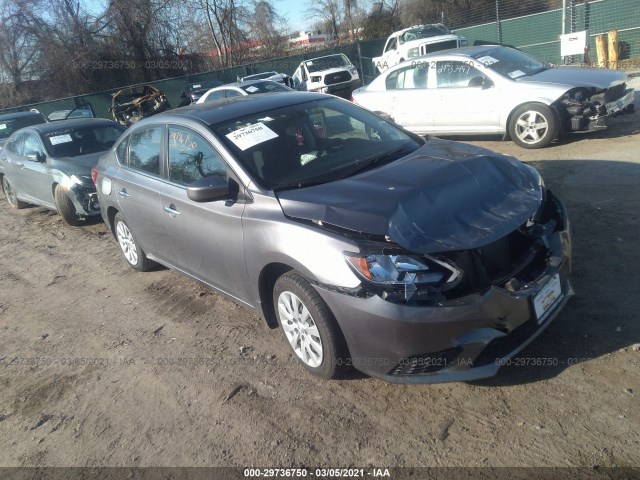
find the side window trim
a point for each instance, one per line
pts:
(163, 153)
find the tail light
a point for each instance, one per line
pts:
(94, 175)
(353, 100)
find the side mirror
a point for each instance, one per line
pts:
(486, 83)
(210, 189)
(36, 157)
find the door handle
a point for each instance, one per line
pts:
(123, 193)
(171, 210)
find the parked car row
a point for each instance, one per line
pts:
(413, 260)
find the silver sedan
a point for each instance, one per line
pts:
(494, 89)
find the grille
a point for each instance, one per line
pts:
(339, 77)
(436, 47)
(501, 347)
(428, 363)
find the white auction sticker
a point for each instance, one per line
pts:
(251, 89)
(3, 126)
(487, 60)
(516, 74)
(251, 135)
(66, 138)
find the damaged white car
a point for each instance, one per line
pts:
(494, 89)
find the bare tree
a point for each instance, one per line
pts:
(19, 51)
(268, 27)
(330, 11)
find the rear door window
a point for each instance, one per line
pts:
(145, 149)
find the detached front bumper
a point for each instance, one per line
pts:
(466, 339)
(85, 199)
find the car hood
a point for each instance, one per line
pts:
(444, 196)
(329, 71)
(80, 165)
(578, 77)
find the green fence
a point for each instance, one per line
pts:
(539, 34)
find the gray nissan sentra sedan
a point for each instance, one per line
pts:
(50, 165)
(413, 260)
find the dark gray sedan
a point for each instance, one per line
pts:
(412, 260)
(50, 165)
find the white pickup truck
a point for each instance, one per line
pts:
(415, 41)
(333, 74)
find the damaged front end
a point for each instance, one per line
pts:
(514, 262)
(587, 108)
(132, 104)
(458, 315)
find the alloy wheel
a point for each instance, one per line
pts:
(300, 329)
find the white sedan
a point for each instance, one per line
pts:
(238, 89)
(494, 89)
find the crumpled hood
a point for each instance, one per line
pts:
(578, 77)
(444, 196)
(80, 165)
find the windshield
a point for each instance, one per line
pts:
(264, 87)
(325, 63)
(424, 31)
(75, 141)
(313, 142)
(509, 63)
(7, 127)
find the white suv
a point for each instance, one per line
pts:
(333, 74)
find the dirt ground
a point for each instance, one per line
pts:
(104, 366)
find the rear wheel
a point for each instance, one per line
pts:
(11, 194)
(309, 327)
(65, 207)
(133, 253)
(533, 125)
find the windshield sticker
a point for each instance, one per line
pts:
(251, 135)
(3, 126)
(252, 89)
(66, 138)
(196, 86)
(516, 74)
(487, 60)
(309, 63)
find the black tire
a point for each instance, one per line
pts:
(533, 125)
(131, 250)
(11, 195)
(65, 207)
(333, 352)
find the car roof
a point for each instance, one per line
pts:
(44, 128)
(11, 116)
(227, 109)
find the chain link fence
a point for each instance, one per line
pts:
(536, 32)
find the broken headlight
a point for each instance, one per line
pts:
(403, 277)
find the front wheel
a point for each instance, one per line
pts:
(133, 253)
(533, 125)
(309, 326)
(11, 194)
(65, 207)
